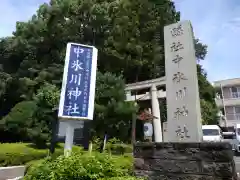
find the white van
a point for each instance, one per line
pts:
(212, 133)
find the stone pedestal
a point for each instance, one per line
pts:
(184, 161)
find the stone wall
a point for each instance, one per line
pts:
(184, 161)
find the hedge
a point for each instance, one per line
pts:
(119, 148)
(85, 166)
(123, 178)
(12, 154)
(113, 146)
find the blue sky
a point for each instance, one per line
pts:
(215, 22)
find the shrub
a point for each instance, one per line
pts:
(113, 146)
(17, 121)
(96, 143)
(20, 153)
(119, 148)
(116, 146)
(122, 178)
(82, 166)
(32, 164)
(39, 139)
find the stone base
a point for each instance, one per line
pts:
(184, 161)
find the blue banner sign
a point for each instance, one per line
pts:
(78, 84)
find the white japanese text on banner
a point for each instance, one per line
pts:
(79, 78)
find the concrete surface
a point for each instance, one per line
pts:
(237, 163)
(11, 172)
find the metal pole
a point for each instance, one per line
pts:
(224, 108)
(69, 139)
(54, 137)
(86, 134)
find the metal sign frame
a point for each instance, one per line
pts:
(86, 66)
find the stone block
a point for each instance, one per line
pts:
(169, 166)
(184, 161)
(185, 151)
(153, 175)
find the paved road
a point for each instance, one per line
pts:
(11, 172)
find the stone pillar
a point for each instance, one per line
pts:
(128, 95)
(156, 113)
(183, 103)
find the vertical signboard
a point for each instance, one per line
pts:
(184, 115)
(78, 84)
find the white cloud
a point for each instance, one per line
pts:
(217, 24)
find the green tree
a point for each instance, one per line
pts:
(207, 93)
(128, 35)
(14, 126)
(135, 41)
(208, 112)
(31, 120)
(46, 99)
(112, 113)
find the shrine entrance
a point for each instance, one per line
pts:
(147, 94)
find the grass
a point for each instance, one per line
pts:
(22, 153)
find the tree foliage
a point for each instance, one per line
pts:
(112, 113)
(14, 126)
(129, 37)
(207, 93)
